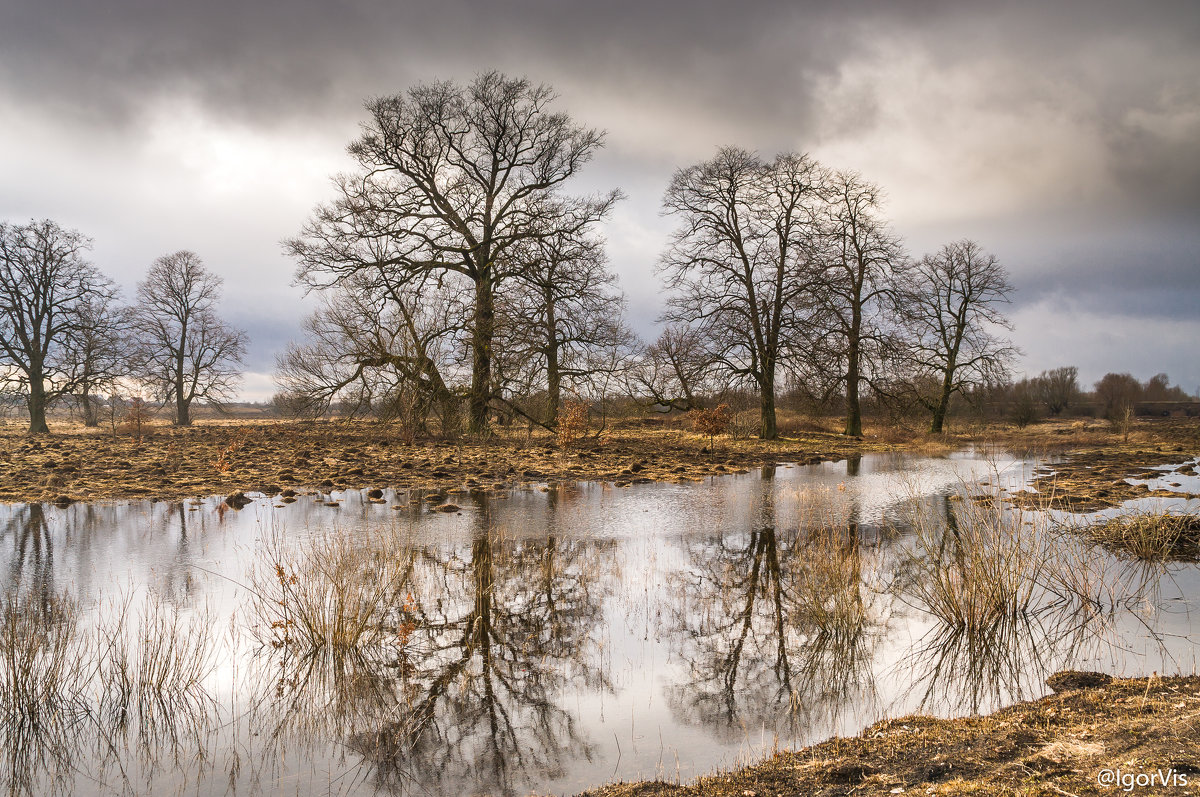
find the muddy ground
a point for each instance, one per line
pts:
(1054, 746)
(216, 457)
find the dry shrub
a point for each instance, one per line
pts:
(136, 418)
(712, 422)
(337, 591)
(572, 423)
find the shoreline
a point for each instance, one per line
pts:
(1056, 745)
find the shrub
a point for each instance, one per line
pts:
(712, 422)
(572, 423)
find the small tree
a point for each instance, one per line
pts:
(712, 422)
(185, 352)
(953, 303)
(572, 423)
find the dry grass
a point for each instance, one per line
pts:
(1151, 536)
(154, 671)
(1054, 746)
(334, 591)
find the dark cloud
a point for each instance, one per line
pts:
(1065, 137)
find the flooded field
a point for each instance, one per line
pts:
(550, 638)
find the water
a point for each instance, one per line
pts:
(554, 638)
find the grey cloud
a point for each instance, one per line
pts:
(1099, 204)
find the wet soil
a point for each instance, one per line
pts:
(1054, 746)
(1093, 477)
(220, 457)
(223, 458)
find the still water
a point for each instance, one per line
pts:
(547, 639)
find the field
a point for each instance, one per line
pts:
(225, 456)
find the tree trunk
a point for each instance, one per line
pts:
(853, 410)
(37, 405)
(481, 352)
(553, 377)
(91, 419)
(183, 411)
(769, 429)
(939, 411)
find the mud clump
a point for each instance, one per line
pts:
(237, 500)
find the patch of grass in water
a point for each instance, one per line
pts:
(1152, 536)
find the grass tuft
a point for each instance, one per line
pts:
(1151, 536)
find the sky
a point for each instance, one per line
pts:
(1063, 137)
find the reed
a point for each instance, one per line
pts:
(336, 590)
(977, 565)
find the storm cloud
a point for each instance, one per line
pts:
(1066, 139)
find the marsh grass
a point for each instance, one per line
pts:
(150, 677)
(345, 592)
(1150, 536)
(976, 565)
(42, 699)
(129, 687)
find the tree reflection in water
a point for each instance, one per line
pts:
(778, 628)
(493, 634)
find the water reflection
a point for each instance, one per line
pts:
(777, 628)
(493, 632)
(537, 642)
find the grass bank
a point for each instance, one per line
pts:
(1058, 745)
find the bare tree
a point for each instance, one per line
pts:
(381, 348)
(740, 262)
(565, 315)
(1058, 388)
(1117, 393)
(675, 370)
(861, 257)
(44, 283)
(185, 352)
(453, 178)
(98, 352)
(953, 304)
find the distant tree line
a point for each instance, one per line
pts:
(66, 337)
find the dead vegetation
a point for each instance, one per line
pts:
(1054, 746)
(1152, 536)
(220, 458)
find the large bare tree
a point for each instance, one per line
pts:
(44, 284)
(185, 351)
(452, 179)
(953, 302)
(740, 264)
(861, 257)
